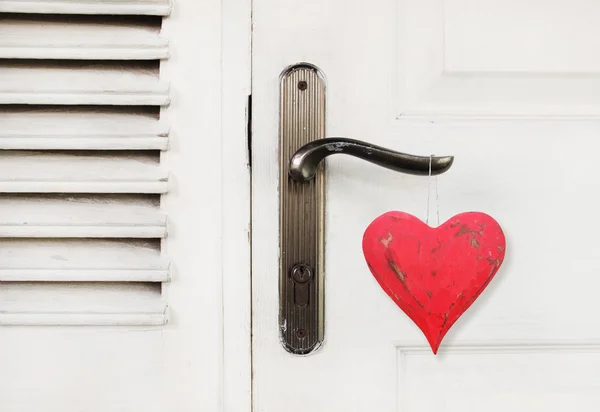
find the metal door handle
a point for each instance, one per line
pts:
(302, 201)
(303, 164)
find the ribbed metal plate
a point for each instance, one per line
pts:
(302, 211)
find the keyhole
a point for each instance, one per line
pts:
(301, 273)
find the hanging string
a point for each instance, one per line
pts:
(428, 192)
(437, 198)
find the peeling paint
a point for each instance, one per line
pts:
(386, 241)
(433, 274)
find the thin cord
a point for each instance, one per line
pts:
(437, 197)
(428, 191)
(437, 201)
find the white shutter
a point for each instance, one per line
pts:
(80, 174)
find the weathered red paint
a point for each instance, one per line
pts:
(434, 274)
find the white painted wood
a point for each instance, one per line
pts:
(119, 288)
(453, 60)
(84, 274)
(81, 120)
(81, 83)
(82, 319)
(72, 96)
(83, 142)
(80, 39)
(71, 186)
(142, 7)
(73, 254)
(236, 84)
(56, 272)
(529, 342)
(459, 384)
(60, 297)
(126, 363)
(535, 45)
(208, 207)
(80, 172)
(131, 50)
(80, 128)
(94, 217)
(81, 230)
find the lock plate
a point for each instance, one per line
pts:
(302, 213)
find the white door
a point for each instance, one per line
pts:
(512, 90)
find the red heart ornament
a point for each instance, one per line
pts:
(434, 274)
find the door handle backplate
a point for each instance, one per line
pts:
(302, 209)
(303, 147)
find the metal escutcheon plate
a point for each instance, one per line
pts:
(302, 213)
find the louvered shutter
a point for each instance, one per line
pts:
(81, 178)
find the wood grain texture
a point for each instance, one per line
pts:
(536, 366)
(81, 38)
(81, 217)
(82, 128)
(126, 361)
(81, 273)
(55, 269)
(434, 274)
(82, 260)
(81, 83)
(127, 7)
(62, 299)
(519, 171)
(80, 172)
(236, 137)
(82, 319)
(64, 107)
(28, 141)
(453, 63)
(209, 329)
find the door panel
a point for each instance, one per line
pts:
(447, 78)
(496, 58)
(504, 378)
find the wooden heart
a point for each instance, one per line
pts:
(434, 274)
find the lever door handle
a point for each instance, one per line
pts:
(303, 164)
(302, 147)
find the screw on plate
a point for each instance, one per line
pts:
(302, 85)
(301, 273)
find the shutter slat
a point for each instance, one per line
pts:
(83, 275)
(82, 127)
(72, 260)
(42, 186)
(82, 319)
(77, 231)
(86, 96)
(73, 172)
(74, 128)
(81, 303)
(85, 83)
(124, 7)
(82, 39)
(16, 141)
(130, 51)
(96, 217)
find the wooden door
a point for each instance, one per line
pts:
(114, 171)
(512, 90)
